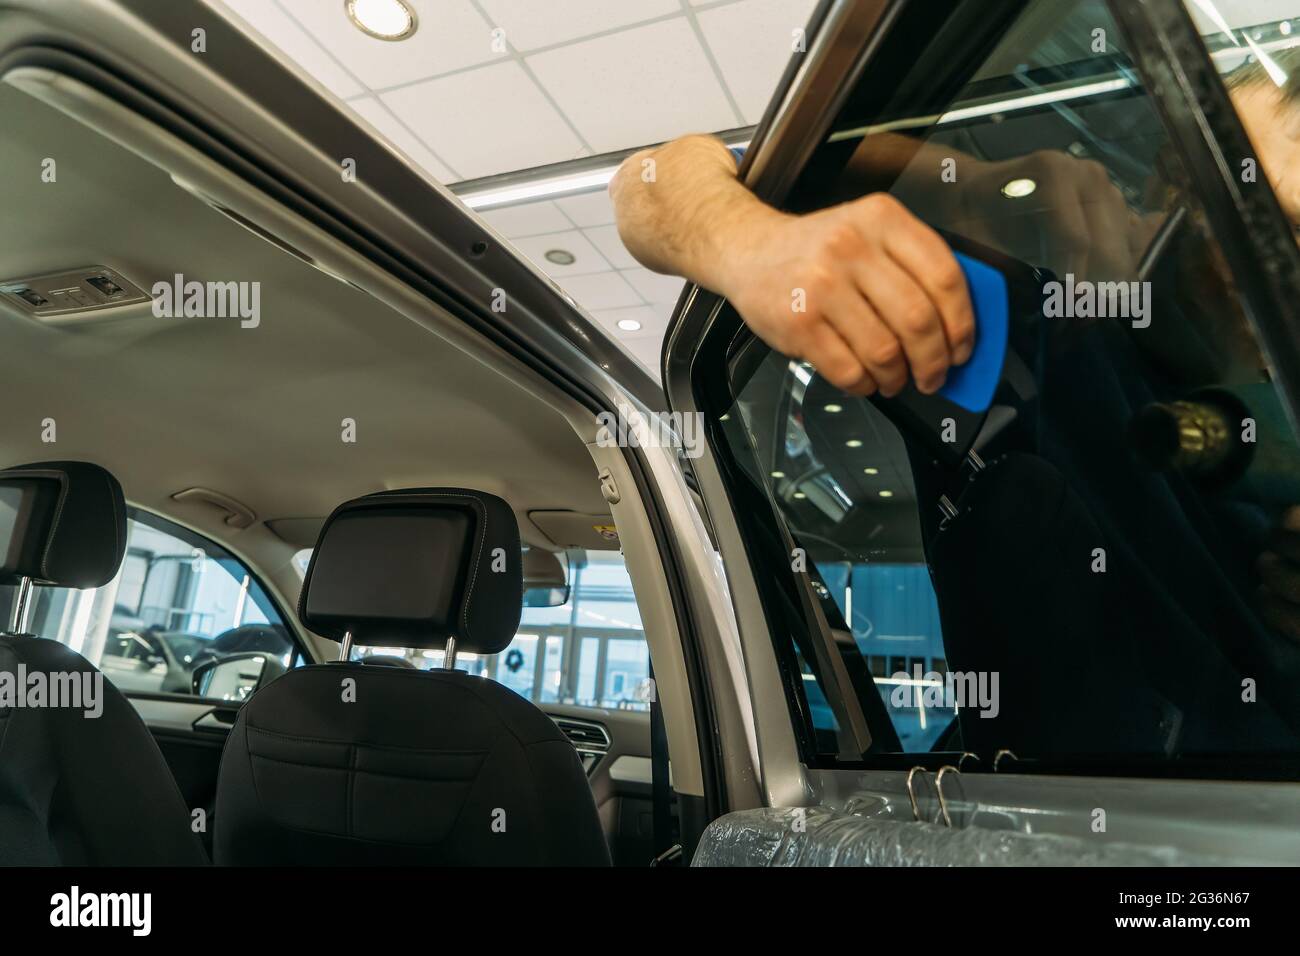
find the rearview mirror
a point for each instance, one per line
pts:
(235, 677)
(546, 597)
(546, 579)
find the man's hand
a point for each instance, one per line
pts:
(865, 292)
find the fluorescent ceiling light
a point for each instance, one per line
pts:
(1009, 105)
(1275, 72)
(382, 19)
(547, 187)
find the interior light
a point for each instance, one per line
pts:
(886, 493)
(800, 495)
(382, 19)
(560, 257)
(1019, 188)
(871, 471)
(834, 409)
(629, 325)
(778, 474)
(483, 198)
(854, 443)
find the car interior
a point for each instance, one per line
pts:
(236, 438)
(308, 497)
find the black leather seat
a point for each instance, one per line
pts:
(75, 789)
(355, 765)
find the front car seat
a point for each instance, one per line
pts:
(348, 764)
(82, 783)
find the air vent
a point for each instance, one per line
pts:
(72, 293)
(591, 740)
(584, 733)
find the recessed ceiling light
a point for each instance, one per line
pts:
(382, 19)
(871, 471)
(1019, 188)
(778, 474)
(561, 257)
(854, 443)
(800, 495)
(834, 409)
(886, 493)
(629, 325)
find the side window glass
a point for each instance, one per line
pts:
(1101, 567)
(588, 651)
(178, 601)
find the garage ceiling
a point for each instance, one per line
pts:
(571, 79)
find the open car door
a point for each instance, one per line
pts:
(1051, 626)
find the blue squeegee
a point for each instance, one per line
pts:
(972, 385)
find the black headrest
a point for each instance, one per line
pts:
(412, 568)
(62, 524)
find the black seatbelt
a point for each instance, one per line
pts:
(666, 849)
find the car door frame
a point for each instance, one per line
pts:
(264, 122)
(1196, 815)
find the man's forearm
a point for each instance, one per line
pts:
(681, 210)
(864, 290)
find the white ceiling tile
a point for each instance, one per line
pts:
(530, 24)
(644, 344)
(653, 286)
(280, 29)
(382, 120)
(588, 209)
(601, 290)
(752, 42)
(452, 35)
(586, 258)
(605, 238)
(644, 85)
(648, 317)
(486, 121)
(530, 219)
(645, 349)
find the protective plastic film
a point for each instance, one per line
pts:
(820, 836)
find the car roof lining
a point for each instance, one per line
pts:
(255, 413)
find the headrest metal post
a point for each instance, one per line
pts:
(345, 652)
(449, 655)
(22, 607)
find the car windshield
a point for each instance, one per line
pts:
(1093, 567)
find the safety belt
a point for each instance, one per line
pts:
(667, 851)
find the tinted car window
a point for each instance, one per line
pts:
(1101, 568)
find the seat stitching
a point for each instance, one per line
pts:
(358, 771)
(362, 743)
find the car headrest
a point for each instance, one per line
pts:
(62, 524)
(411, 568)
